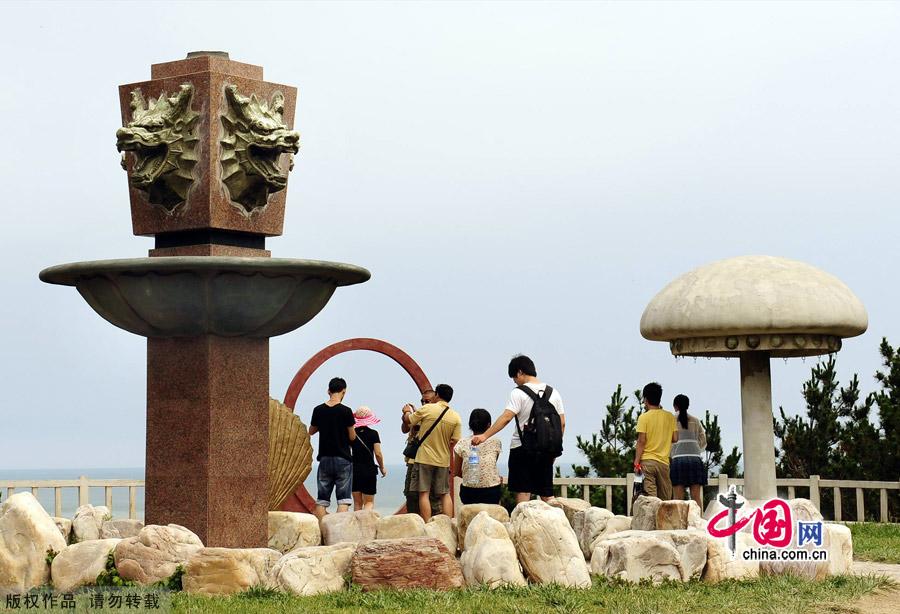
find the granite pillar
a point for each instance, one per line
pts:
(207, 436)
(757, 426)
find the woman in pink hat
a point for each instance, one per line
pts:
(366, 449)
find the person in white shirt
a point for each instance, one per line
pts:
(529, 473)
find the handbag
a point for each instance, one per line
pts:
(414, 443)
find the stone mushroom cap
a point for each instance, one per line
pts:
(754, 303)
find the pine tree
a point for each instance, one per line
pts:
(611, 452)
(714, 451)
(809, 444)
(888, 401)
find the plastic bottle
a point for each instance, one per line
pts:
(474, 460)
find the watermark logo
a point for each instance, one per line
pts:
(773, 531)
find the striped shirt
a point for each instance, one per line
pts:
(691, 440)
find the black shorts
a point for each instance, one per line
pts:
(365, 478)
(688, 471)
(529, 472)
(469, 495)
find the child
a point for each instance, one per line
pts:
(366, 449)
(477, 465)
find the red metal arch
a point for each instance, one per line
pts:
(300, 500)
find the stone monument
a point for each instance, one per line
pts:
(207, 146)
(755, 308)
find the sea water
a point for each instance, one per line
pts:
(389, 499)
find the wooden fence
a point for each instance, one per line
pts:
(814, 483)
(83, 485)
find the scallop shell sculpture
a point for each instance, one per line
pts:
(290, 452)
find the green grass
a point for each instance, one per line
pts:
(874, 541)
(781, 595)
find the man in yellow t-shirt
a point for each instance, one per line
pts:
(656, 433)
(433, 458)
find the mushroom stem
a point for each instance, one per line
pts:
(757, 426)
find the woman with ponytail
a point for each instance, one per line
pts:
(686, 467)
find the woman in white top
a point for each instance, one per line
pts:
(686, 467)
(477, 465)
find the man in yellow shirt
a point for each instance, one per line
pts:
(433, 458)
(656, 433)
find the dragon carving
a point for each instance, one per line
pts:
(162, 137)
(253, 141)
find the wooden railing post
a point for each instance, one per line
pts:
(860, 506)
(884, 507)
(609, 497)
(629, 492)
(57, 501)
(132, 490)
(586, 493)
(107, 495)
(723, 483)
(84, 493)
(814, 491)
(837, 503)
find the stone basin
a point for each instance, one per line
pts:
(184, 296)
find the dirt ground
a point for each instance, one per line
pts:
(887, 602)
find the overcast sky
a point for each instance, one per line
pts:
(517, 177)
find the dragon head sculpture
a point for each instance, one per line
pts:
(254, 139)
(162, 138)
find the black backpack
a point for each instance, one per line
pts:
(542, 434)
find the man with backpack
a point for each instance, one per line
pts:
(537, 439)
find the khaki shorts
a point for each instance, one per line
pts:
(656, 479)
(435, 480)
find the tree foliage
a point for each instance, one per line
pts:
(836, 437)
(610, 453)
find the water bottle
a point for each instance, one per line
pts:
(474, 459)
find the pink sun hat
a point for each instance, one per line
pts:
(365, 417)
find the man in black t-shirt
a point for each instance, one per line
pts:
(334, 421)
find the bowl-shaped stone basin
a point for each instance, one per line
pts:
(185, 296)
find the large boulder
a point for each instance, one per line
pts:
(225, 571)
(656, 556)
(399, 526)
(65, 526)
(27, 532)
(720, 565)
(677, 515)
(490, 557)
(291, 530)
(644, 511)
(570, 507)
(354, 527)
(441, 527)
(80, 564)
(468, 512)
(87, 521)
(802, 510)
(415, 562)
(314, 570)
(641, 556)
(595, 524)
(155, 553)
(840, 549)
(547, 546)
(120, 529)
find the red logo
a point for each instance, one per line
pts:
(772, 524)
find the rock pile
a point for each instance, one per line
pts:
(563, 542)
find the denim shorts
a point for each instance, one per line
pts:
(335, 473)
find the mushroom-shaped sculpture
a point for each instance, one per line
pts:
(755, 308)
